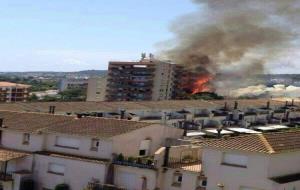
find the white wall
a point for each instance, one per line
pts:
(77, 173)
(189, 180)
(284, 164)
(128, 144)
(136, 174)
(14, 140)
(104, 149)
(255, 175)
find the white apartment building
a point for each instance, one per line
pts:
(269, 161)
(96, 89)
(54, 149)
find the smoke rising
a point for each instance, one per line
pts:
(278, 90)
(234, 37)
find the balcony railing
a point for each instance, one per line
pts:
(99, 186)
(140, 162)
(5, 177)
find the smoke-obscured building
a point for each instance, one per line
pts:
(147, 79)
(13, 92)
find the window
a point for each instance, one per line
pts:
(177, 179)
(57, 169)
(67, 142)
(144, 147)
(201, 182)
(142, 153)
(236, 160)
(26, 138)
(95, 144)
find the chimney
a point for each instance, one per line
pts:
(122, 112)
(219, 130)
(236, 105)
(1, 122)
(79, 115)
(293, 102)
(225, 106)
(286, 103)
(268, 104)
(287, 115)
(185, 128)
(51, 109)
(166, 157)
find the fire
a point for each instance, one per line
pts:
(201, 84)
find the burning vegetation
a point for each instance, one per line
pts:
(235, 38)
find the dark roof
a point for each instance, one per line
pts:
(268, 143)
(286, 178)
(86, 126)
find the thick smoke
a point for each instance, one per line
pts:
(235, 38)
(278, 90)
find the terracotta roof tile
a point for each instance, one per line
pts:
(264, 143)
(6, 154)
(92, 127)
(63, 107)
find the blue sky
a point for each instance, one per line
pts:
(71, 35)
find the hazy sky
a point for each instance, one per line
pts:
(70, 35)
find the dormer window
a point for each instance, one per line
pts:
(26, 138)
(95, 144)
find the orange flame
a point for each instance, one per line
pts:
(201, 84)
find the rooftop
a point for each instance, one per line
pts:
(64, 107)
(92, 127)
(6, 154)
(10, 84)
(268, 143)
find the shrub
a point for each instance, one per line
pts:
(120, 157)
(62, 187)
(131, 159)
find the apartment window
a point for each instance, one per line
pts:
(144, 147)
(95, 144)
(57, 169)
(67, 142)
(26, 138)
(236, 160)
(177, 179)
(201, 182)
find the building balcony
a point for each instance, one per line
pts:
(139, 162)
(5, 176)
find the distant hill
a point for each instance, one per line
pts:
(51, 74)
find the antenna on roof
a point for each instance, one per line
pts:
(143, 55)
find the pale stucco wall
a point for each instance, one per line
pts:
(284, 164)
(261, 167)
(189, 180)
(77, 173)
(14, 140)
(128, 144)
(255, 175)
(139, 173)
(104, 149)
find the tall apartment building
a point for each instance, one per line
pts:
(13, 92)
(96, 89)
(147, 79)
